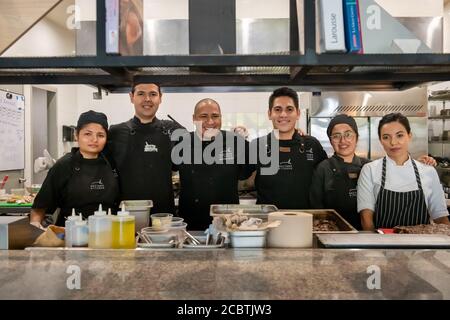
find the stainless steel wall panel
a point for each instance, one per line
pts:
(255, 36)
(166, 37)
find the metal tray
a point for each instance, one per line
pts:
(330, 214)
(155, 245)
(375, 240)
(202, 239)
(254, 210)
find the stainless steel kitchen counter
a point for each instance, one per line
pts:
(225, 274)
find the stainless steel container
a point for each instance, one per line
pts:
(331, 215)
(253, 210)
(248, 239)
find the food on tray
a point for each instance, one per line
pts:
(434, 228)
(324, 225)
(15, 199)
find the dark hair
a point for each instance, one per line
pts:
(283, 92)
(394, 117)
(138, 82)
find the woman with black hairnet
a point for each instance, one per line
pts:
(81, 179)
(335, 179)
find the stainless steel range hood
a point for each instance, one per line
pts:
(367, 108)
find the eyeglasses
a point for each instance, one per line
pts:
(347, 135)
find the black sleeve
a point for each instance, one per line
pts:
(49, 195)
(246, 170)
(317, 189)
(321, 154)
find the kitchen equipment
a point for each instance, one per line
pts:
(248, 239)
(367, 107)
(375, 240)
(100, 230)
(161, 220)
(69, 226)
(330, 215)
(170, 244)
(176, 221)
(295, 230)
(445, 112)
(123, 229)
(140, 209)
(252, 210)
(17, 233)
(80, 233)
(202, 243)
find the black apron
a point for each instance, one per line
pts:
(205, 184)
(400, 208)
(146, 172)
(289, 187)
(90, 184)
(342, 196)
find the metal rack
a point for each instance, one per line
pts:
(309, 71)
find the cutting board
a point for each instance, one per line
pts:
(374, 240)
(4, 204)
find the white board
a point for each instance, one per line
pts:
(12, 131)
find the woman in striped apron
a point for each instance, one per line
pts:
(397, 190)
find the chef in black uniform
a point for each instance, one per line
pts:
(81, 179)
(141, 149)
(288, 185)
(212, 177)
(335, 179)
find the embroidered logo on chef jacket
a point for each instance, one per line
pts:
(225, 155)
(97, 185)
(309, 154)
(352, 193)
(150, 147)
(286, 165)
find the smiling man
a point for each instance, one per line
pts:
(211, 162)
(289, 187)
(141, 149)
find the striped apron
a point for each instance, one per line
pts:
(400, 208)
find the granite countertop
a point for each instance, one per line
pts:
(225, 274)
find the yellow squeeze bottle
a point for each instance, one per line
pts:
(123, 230)
(100, 230)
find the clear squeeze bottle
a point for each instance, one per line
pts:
(69, 225)
(80, 233)
(123, 229)
(100, 233)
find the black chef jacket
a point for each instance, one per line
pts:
(289, 187)
(142, 155)
(334, 187)
(204, 184)
(75, 182)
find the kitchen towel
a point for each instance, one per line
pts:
(295, 230)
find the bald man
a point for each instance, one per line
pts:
(213, 162)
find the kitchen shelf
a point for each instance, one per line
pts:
(439, 142)
(439, 118)
(309, 71)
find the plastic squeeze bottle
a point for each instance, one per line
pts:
(123, 230)
(80, 233)
(100, 233)
(69, 225)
